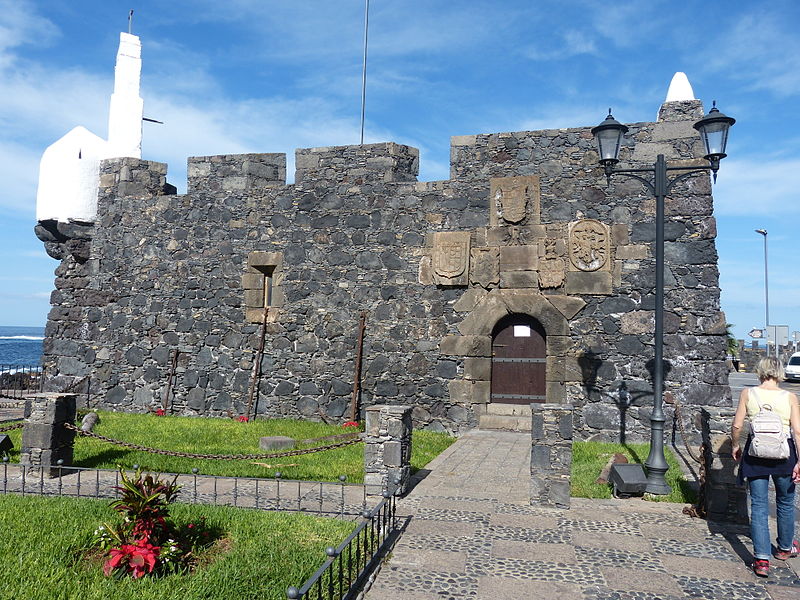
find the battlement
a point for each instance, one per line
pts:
(384, 162)
(556, 154)
(133, 177)
(235, 172)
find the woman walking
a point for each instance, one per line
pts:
(758, 471)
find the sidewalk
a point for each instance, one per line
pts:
(471, 533)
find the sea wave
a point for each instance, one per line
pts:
(33, 338)
(23, 369)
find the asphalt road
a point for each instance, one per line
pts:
(738, 381)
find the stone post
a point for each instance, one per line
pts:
(45, 440)
(551, 454)
(387, 449)
(725, 499)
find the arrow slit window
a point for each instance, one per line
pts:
(261, 283)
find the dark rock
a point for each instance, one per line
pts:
(116, 395)
(284, 388)
(646, 232)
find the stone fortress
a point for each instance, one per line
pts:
(161, 294)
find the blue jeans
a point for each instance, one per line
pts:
(759, 513)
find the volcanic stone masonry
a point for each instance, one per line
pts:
(526, 225)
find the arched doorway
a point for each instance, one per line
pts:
(519, 361)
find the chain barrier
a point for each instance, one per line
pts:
(141, 448)
(698, 509)
(11, 427)
(679, 419)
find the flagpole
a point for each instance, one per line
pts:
(364, 69)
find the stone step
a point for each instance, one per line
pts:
(516, 410)
(504, 422)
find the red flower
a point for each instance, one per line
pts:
(140, 558)
(160, 412)
(143, 560)
(351, 424)
(243, 419)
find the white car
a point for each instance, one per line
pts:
(793, 367)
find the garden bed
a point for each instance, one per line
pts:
(44, 542)
(229, 436)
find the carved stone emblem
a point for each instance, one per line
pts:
(516, 239)
(451, 253)
(589, 245)
(485, 266)
(513, 199)
(551, 267)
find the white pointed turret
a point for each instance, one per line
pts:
(68, 172)
(126, 109)
(680, 89)
(68, 177)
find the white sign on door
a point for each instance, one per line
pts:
(522, 331)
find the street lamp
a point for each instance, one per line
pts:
(713, 129)
(766, 293)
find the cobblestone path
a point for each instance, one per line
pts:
(470, 533)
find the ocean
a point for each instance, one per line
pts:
(20, 345)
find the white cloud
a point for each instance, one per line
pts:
(761, 49)
(572, 43)
(19, 173)
(20, 25)
(755, 187)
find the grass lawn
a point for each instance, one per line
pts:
(589, 458)
(42, 558)
(227, 436)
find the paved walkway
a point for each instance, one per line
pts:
(471, 533)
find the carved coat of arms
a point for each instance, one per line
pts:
(485, 266)
(514, 198)
(589, 245)
(451, 253)
(551, 267)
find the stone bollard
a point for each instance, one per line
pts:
(387, 449)
(551, 454)
(45, 440)
(725, 499)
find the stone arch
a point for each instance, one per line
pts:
(474, 345)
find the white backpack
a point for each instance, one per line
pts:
(769, 437)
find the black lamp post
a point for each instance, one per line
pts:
(713, 129)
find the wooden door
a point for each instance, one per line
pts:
(519, 361)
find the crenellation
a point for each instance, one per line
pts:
(357, 165)
(235, 172)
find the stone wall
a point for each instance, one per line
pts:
(725, 499)
(45, 440)
(434, 264)
(551, 454)
(387, 450)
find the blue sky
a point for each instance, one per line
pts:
(272, 76)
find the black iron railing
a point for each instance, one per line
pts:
(340, 498)
(348, 565)
(18, 381)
